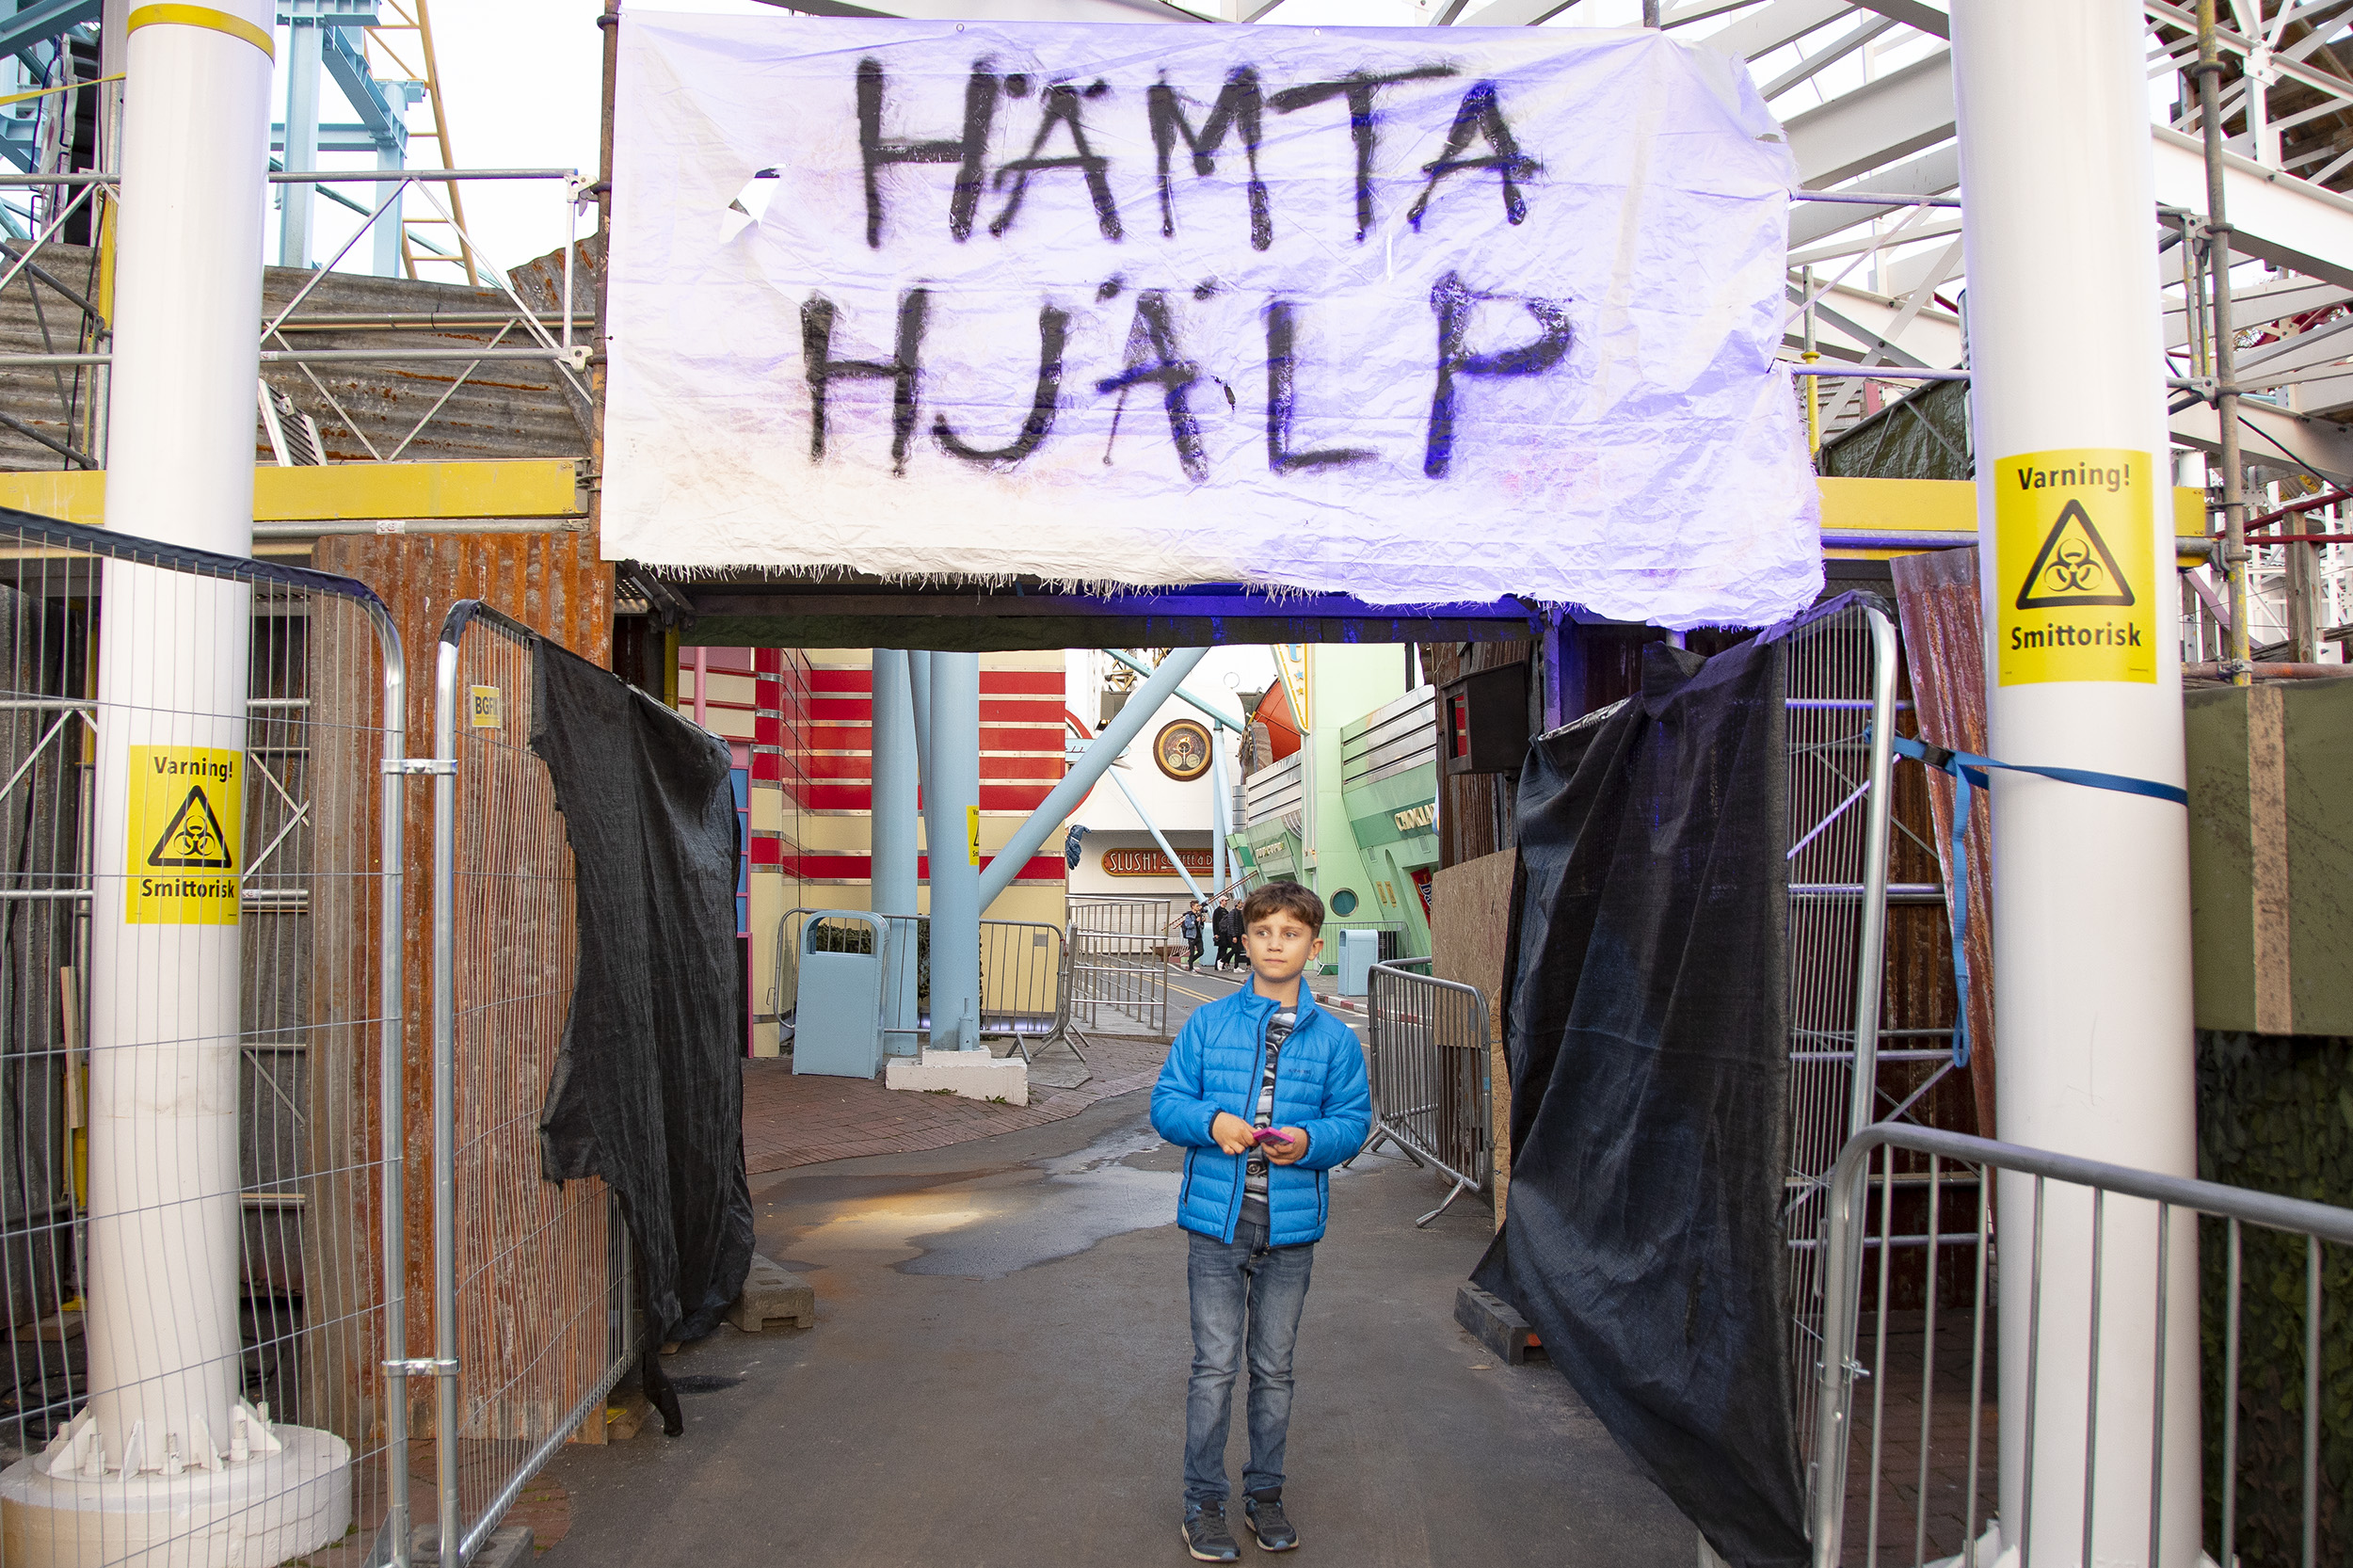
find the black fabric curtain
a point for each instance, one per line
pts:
(649, 1090)
(1647, 1032)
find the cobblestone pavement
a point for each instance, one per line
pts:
(791, 1120)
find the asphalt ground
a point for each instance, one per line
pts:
(997, 1377)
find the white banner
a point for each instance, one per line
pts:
(1417, 315)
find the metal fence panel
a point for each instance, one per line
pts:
(1840, 691)
(316, 1059)
(1428, 1054)
(1119, 953)
(1025, 995)
(1926, 1435)
(531, 1310)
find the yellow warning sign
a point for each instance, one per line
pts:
(972, 834)
(187, 812)
(484, 710)
(2075, 568)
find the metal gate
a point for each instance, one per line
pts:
(531, 1310)
(1119, 950)
(1840, 691)
(1429, 1059)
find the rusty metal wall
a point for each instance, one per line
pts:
(554, 583)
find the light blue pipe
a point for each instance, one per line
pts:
(1182, 695)
(952, 796)
(1158, 836)
(895, 828)
(919, 692)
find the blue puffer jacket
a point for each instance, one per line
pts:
(1319, 1087)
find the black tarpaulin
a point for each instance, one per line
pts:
(1648, 1043)
(648, 1090)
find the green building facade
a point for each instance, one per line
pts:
(1354, 812)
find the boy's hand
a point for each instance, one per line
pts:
(1231, 1134)
(1293, 1145)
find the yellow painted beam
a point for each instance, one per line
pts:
(1939, 507)
(345, 492)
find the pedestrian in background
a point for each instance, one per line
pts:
(1188, 927)
(1225, 922)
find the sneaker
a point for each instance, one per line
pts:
(1263, 1512)
(1206, 1536)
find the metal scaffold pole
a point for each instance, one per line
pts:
(2208, 70)
(2091, 886)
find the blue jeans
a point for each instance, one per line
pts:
(1245, 1292)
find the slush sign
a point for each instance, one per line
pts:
(1411, 317)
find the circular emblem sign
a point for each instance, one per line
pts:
(1182, 750)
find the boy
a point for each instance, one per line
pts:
(1266, 1091)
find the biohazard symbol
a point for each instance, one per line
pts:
(2073, 568)
(194, 839)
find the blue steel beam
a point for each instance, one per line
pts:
(1109, 743)
(1142, 669)
(32, 25)
(349, 65)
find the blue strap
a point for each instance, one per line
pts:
(1966, 768)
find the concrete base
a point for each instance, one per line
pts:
(510, 1546)
(256, 1515)
(772, 1294)
(973, 1074)
(1494, 1324)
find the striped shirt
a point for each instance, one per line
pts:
(1279, 1025)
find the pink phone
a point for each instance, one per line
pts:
(1270, 1135)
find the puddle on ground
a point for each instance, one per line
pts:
(1081, 1198)
(703, 1382)
(988, 1225)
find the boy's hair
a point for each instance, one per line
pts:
(1285, 897)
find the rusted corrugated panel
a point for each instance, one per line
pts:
(41, 315)
(1936, 594)
(366, 412)
(553, 582)
(509, 409)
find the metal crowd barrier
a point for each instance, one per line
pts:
(1025, 991)
(533, 1313)
(2100, 1251)
(1118, 966)
(1428, 1055)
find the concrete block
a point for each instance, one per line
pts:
(1494, 1324)
(772, 1295)
(975, 1075)
(509, 1545)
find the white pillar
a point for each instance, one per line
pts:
(952, 813)
(166, 1451)
(305, 44)
(2091, 903)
